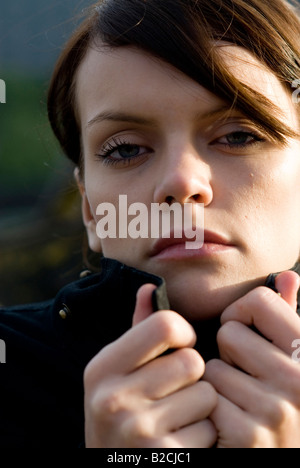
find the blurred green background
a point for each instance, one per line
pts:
(41, 231)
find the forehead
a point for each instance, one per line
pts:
(255, 74)
(129, 76)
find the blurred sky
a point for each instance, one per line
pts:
(40, 229)
(32, 32)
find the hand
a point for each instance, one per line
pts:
(137, 397)
(257, 381)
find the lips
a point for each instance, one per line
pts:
(210, 239)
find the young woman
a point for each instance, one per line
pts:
(172, 102)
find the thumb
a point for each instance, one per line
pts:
(287, 284)
(143, 307)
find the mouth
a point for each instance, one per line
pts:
(182, 247)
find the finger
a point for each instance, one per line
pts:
(243, 348)
(237, 429)
(199, 435)
(183, 408)
(143, 306)
(269, 314)
(268, 405)
(167, 374)
(287, 283)
(146, 341)
(243, 390)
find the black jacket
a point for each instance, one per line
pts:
(49, 344)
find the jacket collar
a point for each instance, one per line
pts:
(97, 310)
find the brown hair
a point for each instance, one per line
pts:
(183, 33)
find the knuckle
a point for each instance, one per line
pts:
(191, 364)
(168, 326)
(171, 326)
(115, 410)
(251, 435)
(258, 297)
(138, 429)
(112, 402)
(107, 403)
(291, 374)
(261, 296)
(279, 413)
(227, 334)
(257, 437)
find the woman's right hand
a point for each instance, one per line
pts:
(136, 396)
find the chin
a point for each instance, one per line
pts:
(206, 300)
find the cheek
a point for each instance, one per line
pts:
(281, 189)
(106, 186)
(99, 188)
(269, 184)
(103, 189)
(271, 208)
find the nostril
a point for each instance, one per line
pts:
(169, 200)
(197, 198)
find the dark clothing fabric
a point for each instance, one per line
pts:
(49, 344)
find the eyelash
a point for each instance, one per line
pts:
(256, 139)
(117, 145)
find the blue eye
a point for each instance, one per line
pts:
(127, 151)
(115, 152)
(240, 139)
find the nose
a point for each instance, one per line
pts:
(183, 178)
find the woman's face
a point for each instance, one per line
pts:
(154, 135)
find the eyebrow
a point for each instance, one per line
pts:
(135, 119)
(120, 117)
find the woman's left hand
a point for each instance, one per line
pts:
(257, 380)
